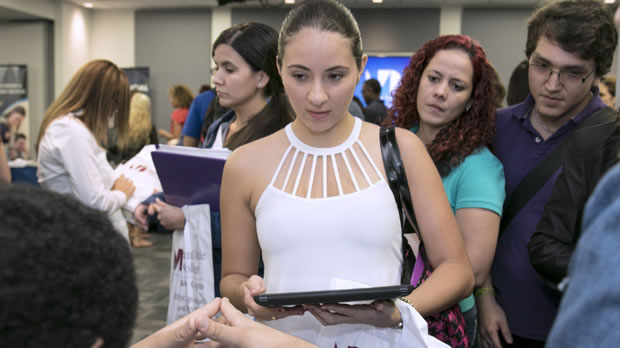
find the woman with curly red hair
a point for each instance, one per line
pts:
(447, 98)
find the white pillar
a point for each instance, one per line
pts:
(450, 19)
(113, 36)
(221, 19)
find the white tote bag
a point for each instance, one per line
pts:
(191, 264)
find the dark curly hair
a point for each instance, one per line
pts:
(67, 276)
(470, 131)
(583, 27)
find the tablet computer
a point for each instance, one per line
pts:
(333, 296)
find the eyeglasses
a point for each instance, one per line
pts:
(564, 76)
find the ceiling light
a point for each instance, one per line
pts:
(289, 1)
(377, 1)
(610, 1)
(88, 4)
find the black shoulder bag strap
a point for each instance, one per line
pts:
(397, 180)
(537, 177)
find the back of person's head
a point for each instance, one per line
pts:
(322, 15)
(475, 127)
(584, 28)
(67, 276)
(204, 88)
(19, 110)
(500, 90)
(373, 85)
(518, 85)
(181, 96)
(101, 90)
(140, 121)
(257, 44)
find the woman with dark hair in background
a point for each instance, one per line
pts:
(74, 132)
(447, 97)
(518, 86)
(247, 82)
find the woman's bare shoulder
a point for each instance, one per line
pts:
(259, 153)
(408, 139)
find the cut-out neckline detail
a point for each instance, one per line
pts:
(314, 173)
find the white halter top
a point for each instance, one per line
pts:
(327, 215)
(309, 236)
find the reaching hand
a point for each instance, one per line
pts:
(169, 216)
(183, 332)
(492, 320)
(139, 216)
(241, 332)
(124, 185)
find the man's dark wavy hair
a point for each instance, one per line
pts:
(585, 28)
(474, 128)
(66, 275)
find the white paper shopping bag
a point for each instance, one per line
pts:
(191, 264)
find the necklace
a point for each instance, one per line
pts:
(542, 124)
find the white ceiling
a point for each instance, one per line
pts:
(141, 4)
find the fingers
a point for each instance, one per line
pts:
(231, 314)
(140, 217)
(494, 336)
(503, 325)
(159, 203)
(221, 332)
(378, 306)
(326, 317)
(209, 310)
(256, 285)
(131, 190)
(151, 209)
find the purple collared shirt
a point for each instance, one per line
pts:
(529, 303)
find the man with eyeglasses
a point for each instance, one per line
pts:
(570, 45)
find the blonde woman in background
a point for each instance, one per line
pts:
(607, 90)
(141, 133)
(74, 132)
(141, 130)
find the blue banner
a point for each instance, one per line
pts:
(388, 71)
(138, 79)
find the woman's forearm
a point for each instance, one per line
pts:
(447, 285)
(230, 286)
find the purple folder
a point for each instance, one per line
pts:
(189, 179)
